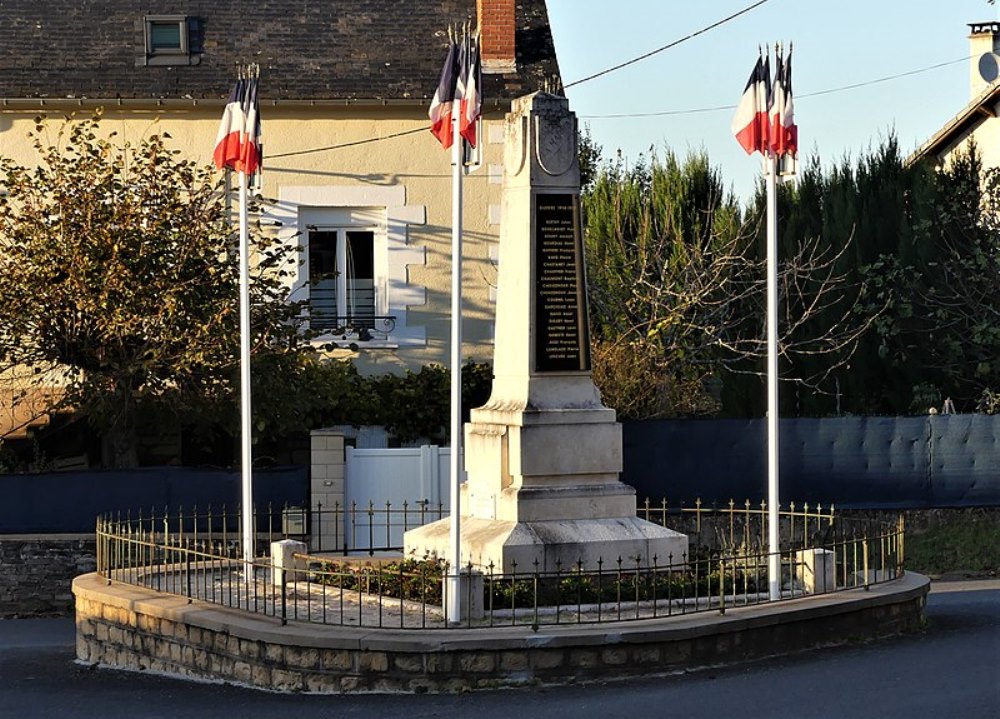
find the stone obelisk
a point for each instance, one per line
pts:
(544, 454)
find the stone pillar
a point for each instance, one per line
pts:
(472, 586)
(327, 490)
(544, 454)
(816, 570)
(284, 564)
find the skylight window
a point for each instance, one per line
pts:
(167, 40)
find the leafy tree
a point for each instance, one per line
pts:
(119, 279)
(590, 158)
(946, 314)
(313, 392)
(677, 281)
(886, 281)
(418, 404)
(848, 215)
(910, 238)
(304, 392)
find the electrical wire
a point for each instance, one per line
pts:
(675, 43)
(366, 141)
(798, 96)
(342, 145)
(664, 113)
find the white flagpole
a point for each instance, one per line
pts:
(774, 564)
(454, 607)
(245, 430)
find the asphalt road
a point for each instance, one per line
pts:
(950, 670)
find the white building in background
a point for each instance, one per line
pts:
(351, 173)
(978, 121)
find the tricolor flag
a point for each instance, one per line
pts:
(471, 84)
(750, 123)
(251, 152)
(784, 135)
(444, 97)
(228, 142)
(237, 145)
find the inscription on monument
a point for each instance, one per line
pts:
(561, 333)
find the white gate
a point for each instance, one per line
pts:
(387, 491)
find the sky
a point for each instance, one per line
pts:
(837, 43)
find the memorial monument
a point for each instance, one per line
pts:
(543, 455)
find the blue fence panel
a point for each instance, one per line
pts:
(683, 460)
(854, 462)
(858, 461)
(69, 502)
(964, 458)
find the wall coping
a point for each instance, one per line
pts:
(243, 625)
(45, 536)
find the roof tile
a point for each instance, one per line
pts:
(307, 49)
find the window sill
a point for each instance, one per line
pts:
(168, 60)
(352, 344)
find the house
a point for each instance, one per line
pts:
(345, 87)
(976, 122)
(351, 173)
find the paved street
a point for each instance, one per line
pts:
(951, 670)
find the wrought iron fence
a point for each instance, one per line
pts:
(197, 554)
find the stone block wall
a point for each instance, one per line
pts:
(133, 628)
(37, 571)
(327, 487)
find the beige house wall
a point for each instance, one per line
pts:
(412, 169)
(986, 132)
(987, 139)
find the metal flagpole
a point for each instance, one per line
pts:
(453, 609)
(773, 564)
(245, 454)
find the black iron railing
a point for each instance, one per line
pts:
(197, 554)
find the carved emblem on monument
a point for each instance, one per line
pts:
(555, 142)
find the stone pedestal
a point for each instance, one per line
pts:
(286, 567)
(543, 455)
(815, 570)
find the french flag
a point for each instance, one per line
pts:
(237, 145)
(784, 134)
(471, 83)
(250, 148)
(444, 98)
(750, 123)
(229, 141)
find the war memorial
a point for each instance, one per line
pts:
(563, 578)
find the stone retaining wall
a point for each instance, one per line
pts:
(36, 573)
(133, 628)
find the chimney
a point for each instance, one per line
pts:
(496, 25)
(984, 47)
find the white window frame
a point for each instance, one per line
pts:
(341, 290)
(298, 207)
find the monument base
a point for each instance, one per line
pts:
(555, 544)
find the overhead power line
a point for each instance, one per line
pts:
(369, 140)
(887, 78)
(675, 43)
(353, 143)
(626, 115)
(798, 96)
